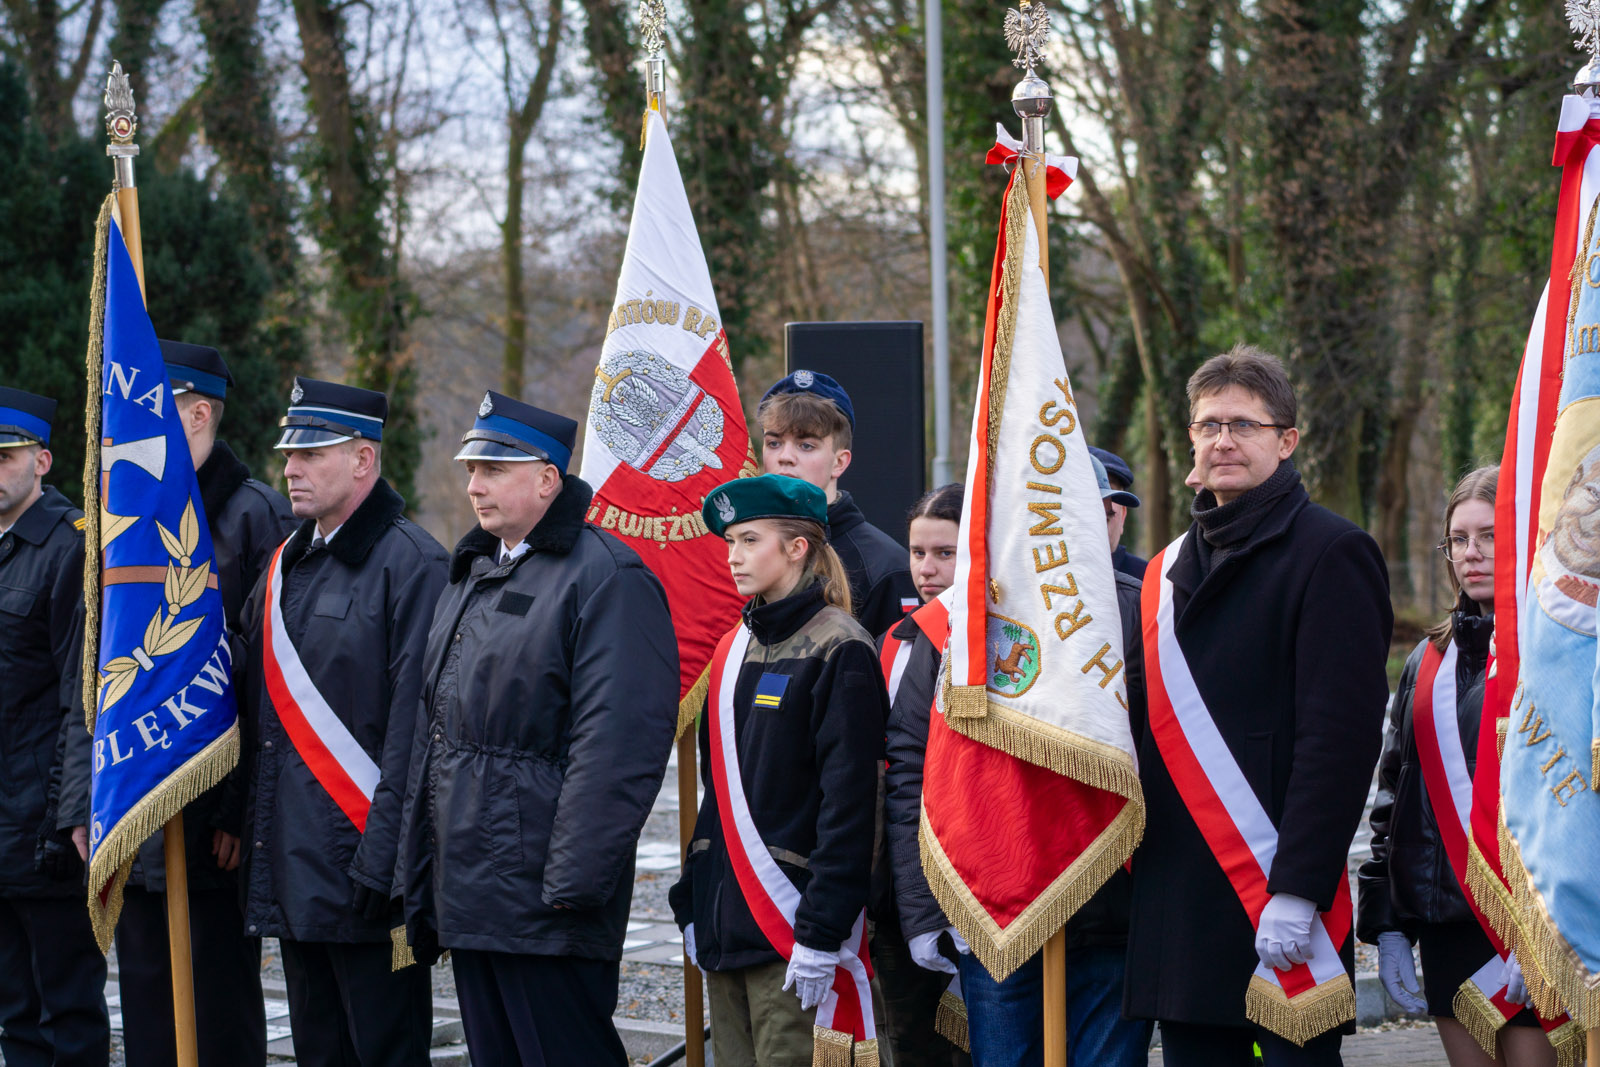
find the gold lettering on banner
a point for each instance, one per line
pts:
(1109, 671)
(1050, 560)
(1534, 736)
(649, 311)
(1551, 762)
(1033, 454)
(661, 529)
(1077, 619)
(1070, 589)
(1573, 784)
(1048, 514)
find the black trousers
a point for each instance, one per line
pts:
(1198, 1045)
(348, 1009)
(52, 986)
(538, 1011)
(910, 1003)
(229, 1015)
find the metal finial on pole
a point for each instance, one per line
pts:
(1584, 18)
(1027, 33)
(652, 26)
(121, 124)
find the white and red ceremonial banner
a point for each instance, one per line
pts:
(666, 425)
(1480, 1004)
(1309, 998)
(1529, 433)
(845, 1030)
(1031, 794)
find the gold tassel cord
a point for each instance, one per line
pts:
(114, 855)
(695, 699)
(1312, 1013)
(90, 662)
(950, 1021)
(1002, 951)
(1478, 1015)
(1005, 325)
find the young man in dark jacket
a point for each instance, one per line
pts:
(1279, 610)
(248, 520)
(807, 422)
(336, 630)
(52, 974)
(551, 696)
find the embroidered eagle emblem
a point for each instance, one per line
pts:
(724, 506)
(804, 379)
(485, 408)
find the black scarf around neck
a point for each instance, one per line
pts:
(1225, 528)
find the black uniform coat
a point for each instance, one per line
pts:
(810, 771)
(248, 521)
(881, 587)
(1408, 882)
(1103, 920)
(1287, 639)
(551, 689)
(41, 587)
(357, 611)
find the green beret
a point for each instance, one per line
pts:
(768, 496)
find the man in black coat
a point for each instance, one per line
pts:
(551, 695)
(1282, 613)
(52, 974)
(248, 520)
(336, 629)
(807, 426)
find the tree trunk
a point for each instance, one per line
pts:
(516, 346)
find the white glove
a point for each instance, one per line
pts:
(689, 952)
(1283, 937)
(810, 974)
(1398, 971)
(1516, 989)
(925, 950)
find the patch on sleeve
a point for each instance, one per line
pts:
(78, 523)
(769, 690)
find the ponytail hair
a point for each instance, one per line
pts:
(941, 503)
(820, 560)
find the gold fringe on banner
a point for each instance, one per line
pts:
(114, 855)
(695, 699)
(1002, 951)
(1570, 1043)
(830, 1048)
(1594, 757)
(1312, 1013)
(92, 562)
(950, 1021)
(1556, 978)
(1017, 218)
(1478, 1015)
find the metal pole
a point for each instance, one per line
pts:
(938, 278)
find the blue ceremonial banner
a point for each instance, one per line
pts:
(166, 725)
(1548, 779)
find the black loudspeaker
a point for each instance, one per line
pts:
(880, 365)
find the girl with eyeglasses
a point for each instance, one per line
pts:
(1410, 892)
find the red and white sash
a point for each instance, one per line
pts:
(892, 658)
(337, 761)
(1309, 998)
(844, 1018)
(1480, 1004)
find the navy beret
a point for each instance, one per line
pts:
(808, 381)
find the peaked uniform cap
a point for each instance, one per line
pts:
(326, 413)
(767, 496)
(1116, 496)
(810, 381)
(511, 431)
(196, 369)
(25, 418)
(1115, 465)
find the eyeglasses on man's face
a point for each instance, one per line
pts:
(1238, 429)
(1455, 547)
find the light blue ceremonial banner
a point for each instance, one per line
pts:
(1548, 777)
(166, 726)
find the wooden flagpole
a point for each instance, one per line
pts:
(652, 21)
(1027, 30)
(121, 125)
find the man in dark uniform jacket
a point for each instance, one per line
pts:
(52, 974)
(335, 677)
(1121, 478)
(807, 422)
(551, 689)
(1281, 610)
(248, 520)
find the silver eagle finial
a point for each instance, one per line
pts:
(1027, 30)
(1584, 18)
(652, 24)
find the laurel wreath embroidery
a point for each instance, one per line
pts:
(184, 584)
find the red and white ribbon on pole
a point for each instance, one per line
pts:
(334, 757)
(844, 1018)
(1310, 998)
